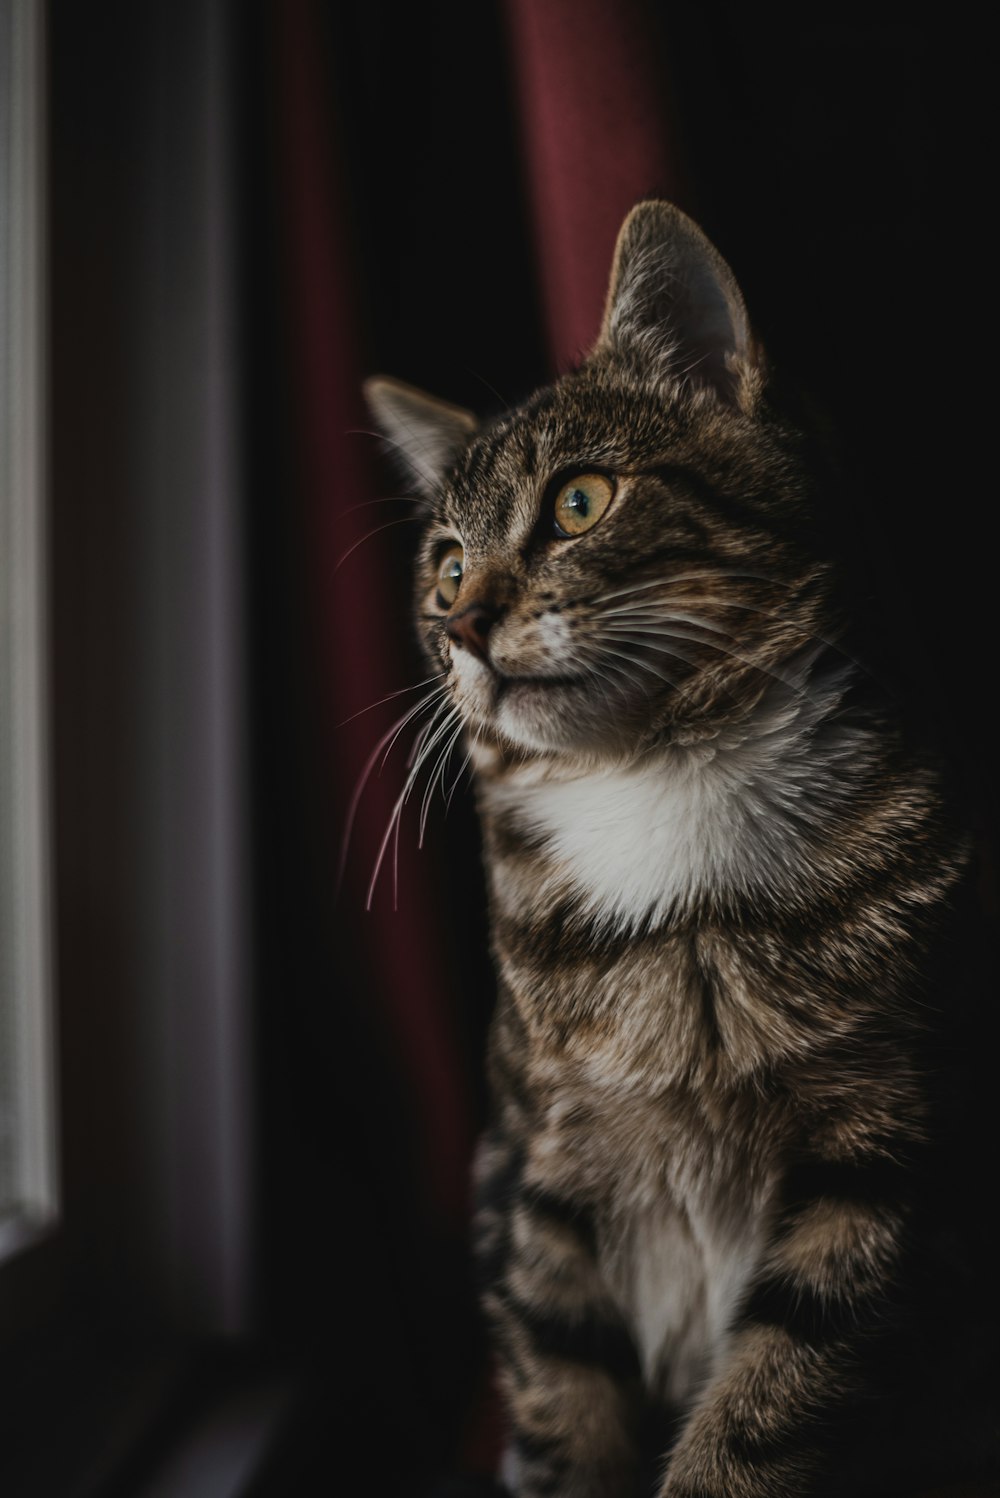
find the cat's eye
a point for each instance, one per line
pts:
(449, 576)
(581, 502)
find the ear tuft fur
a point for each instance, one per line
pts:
(427, 435)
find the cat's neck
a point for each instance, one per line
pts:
(743, 813)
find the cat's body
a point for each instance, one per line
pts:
(720, 878)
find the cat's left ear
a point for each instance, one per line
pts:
(674, 306)
(426, 434)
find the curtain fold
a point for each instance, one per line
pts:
(594, 116)
(356, 610)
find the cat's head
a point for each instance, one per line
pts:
(627, 557)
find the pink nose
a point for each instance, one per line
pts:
(472, 626)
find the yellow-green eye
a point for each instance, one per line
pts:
(581, 503)
(449, 576)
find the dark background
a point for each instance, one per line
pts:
(411, 190)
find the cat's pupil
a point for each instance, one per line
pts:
(578, 501)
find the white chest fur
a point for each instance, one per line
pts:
(730, 816)
(679, 1275)
(636, 842)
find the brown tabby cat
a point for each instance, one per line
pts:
(719, 1204)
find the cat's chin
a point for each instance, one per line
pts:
(554, 716)
(545, 714)
(536, 716)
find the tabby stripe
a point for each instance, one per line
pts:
(537, 1448)
(492, 1220)
(544, 1460)
(510, 839)
(872, 1181)
(567, 935)
(500, 1187)
(807, 1315)
(592, 1341)
(753, 1448)
(491, 1255)
(738, 512)
(556, 1209)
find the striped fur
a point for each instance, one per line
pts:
(718, 876)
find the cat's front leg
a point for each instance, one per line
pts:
(802, 1340)
(569, 1371)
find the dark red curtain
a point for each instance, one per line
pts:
(434, 193)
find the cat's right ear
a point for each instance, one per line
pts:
(427, 435)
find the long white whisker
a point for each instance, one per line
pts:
(438, 696)
(392, 734)
(416, 756)
(476, 740)
(455, 783)
(389, 737)
(794, 686)
(406, 520)
(389, 696)
(646, 665)
(643, 637)
(627, 626)
(416, 760)
(614, 666)
(648, 611)
(388, 499)
(754, 608)
(715, 573)
(607, 683)
(437, 774)
(397, 809)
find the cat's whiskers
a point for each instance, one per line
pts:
(408, 451)
(439, 725)
(646, 665)
(661, 632)
(484, 381)
(638, 635)
(713, 573)
(439, 693)
(437, 776)
(406, 520)
(457, 781)
(388, 739)
(606, 683)
(651, 611)
(419, 739)
(736, 603)
(416, 749)
(476, 740)
(400, 692)
(389, 499)
(612, 665)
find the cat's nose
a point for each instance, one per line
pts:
(472, 626)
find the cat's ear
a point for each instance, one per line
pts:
(674, 304)
(426, 434)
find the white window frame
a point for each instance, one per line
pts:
(26, 977)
